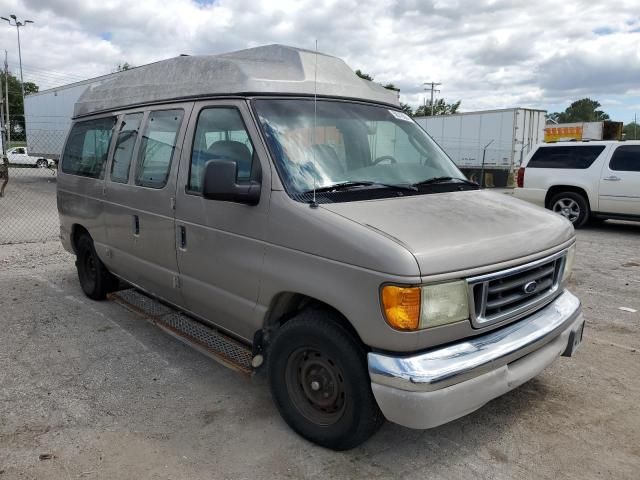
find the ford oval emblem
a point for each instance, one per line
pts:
(530, 287)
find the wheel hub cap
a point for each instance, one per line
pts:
(568, 208)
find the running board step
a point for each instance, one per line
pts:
(209, 341)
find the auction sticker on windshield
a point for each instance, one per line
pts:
(400, 115)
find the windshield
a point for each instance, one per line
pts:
(348, 144)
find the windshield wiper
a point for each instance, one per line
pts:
(342, 186)
(434, 180)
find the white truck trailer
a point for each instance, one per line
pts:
(488, 146)
(48, 116)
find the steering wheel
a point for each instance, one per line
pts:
(383, 158)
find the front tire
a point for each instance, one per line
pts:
(572, 206)
(320, 382)
(96, 281)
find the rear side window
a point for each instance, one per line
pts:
(578, 157)
(157, 147)
(626, 159)
(87, 147)
(220, 134)
(124, 147)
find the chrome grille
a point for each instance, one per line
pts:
(515, 292)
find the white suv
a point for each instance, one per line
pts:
(583, 180)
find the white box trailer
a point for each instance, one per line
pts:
(48, 116)
(493, 142)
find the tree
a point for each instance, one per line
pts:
(16, 106)
(583, 110)
(440, 107)
(123, 66)
(406, 108)
(366, 76)
(631, 131)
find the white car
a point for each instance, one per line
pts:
(19, 156)
(583, 180)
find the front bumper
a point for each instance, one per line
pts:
(428, 389)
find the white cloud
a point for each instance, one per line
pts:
(488, 54)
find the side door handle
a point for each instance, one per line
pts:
(183, 237)
(612, 178)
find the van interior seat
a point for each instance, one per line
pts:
(232, 150)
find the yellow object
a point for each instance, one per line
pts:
(563, 133)
(402, 306)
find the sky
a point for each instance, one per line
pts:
(488, 54)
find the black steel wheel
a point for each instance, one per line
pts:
(315, 385)
(96, 281)
(320, 383)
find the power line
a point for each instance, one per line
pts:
(52, 74)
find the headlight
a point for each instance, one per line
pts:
(414, 308)
(568, 263)
(444, 303)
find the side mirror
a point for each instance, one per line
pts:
(219, 183)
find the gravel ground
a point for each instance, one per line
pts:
(91, 391)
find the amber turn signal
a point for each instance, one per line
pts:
(402, 306)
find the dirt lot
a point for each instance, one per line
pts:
(108, 396)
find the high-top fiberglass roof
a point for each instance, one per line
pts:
(272, 69)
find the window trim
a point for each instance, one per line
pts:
(254, 155)
(613, 155)
(143, 128)
(102, 176)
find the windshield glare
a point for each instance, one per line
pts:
(348, 142)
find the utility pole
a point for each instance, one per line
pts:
(16, 23)
(2, 124)
(430, 86)
(6, 93)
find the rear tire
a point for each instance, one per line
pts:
(96, 281)
(320, 382)
(42, 163)
(572, 206)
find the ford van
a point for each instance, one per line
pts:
(274, 196)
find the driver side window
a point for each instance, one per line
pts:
(220, 135)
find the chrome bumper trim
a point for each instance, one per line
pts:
(442, 367)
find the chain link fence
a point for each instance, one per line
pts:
(28, 211)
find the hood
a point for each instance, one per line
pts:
(454, 231)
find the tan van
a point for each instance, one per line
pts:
(274, 196)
